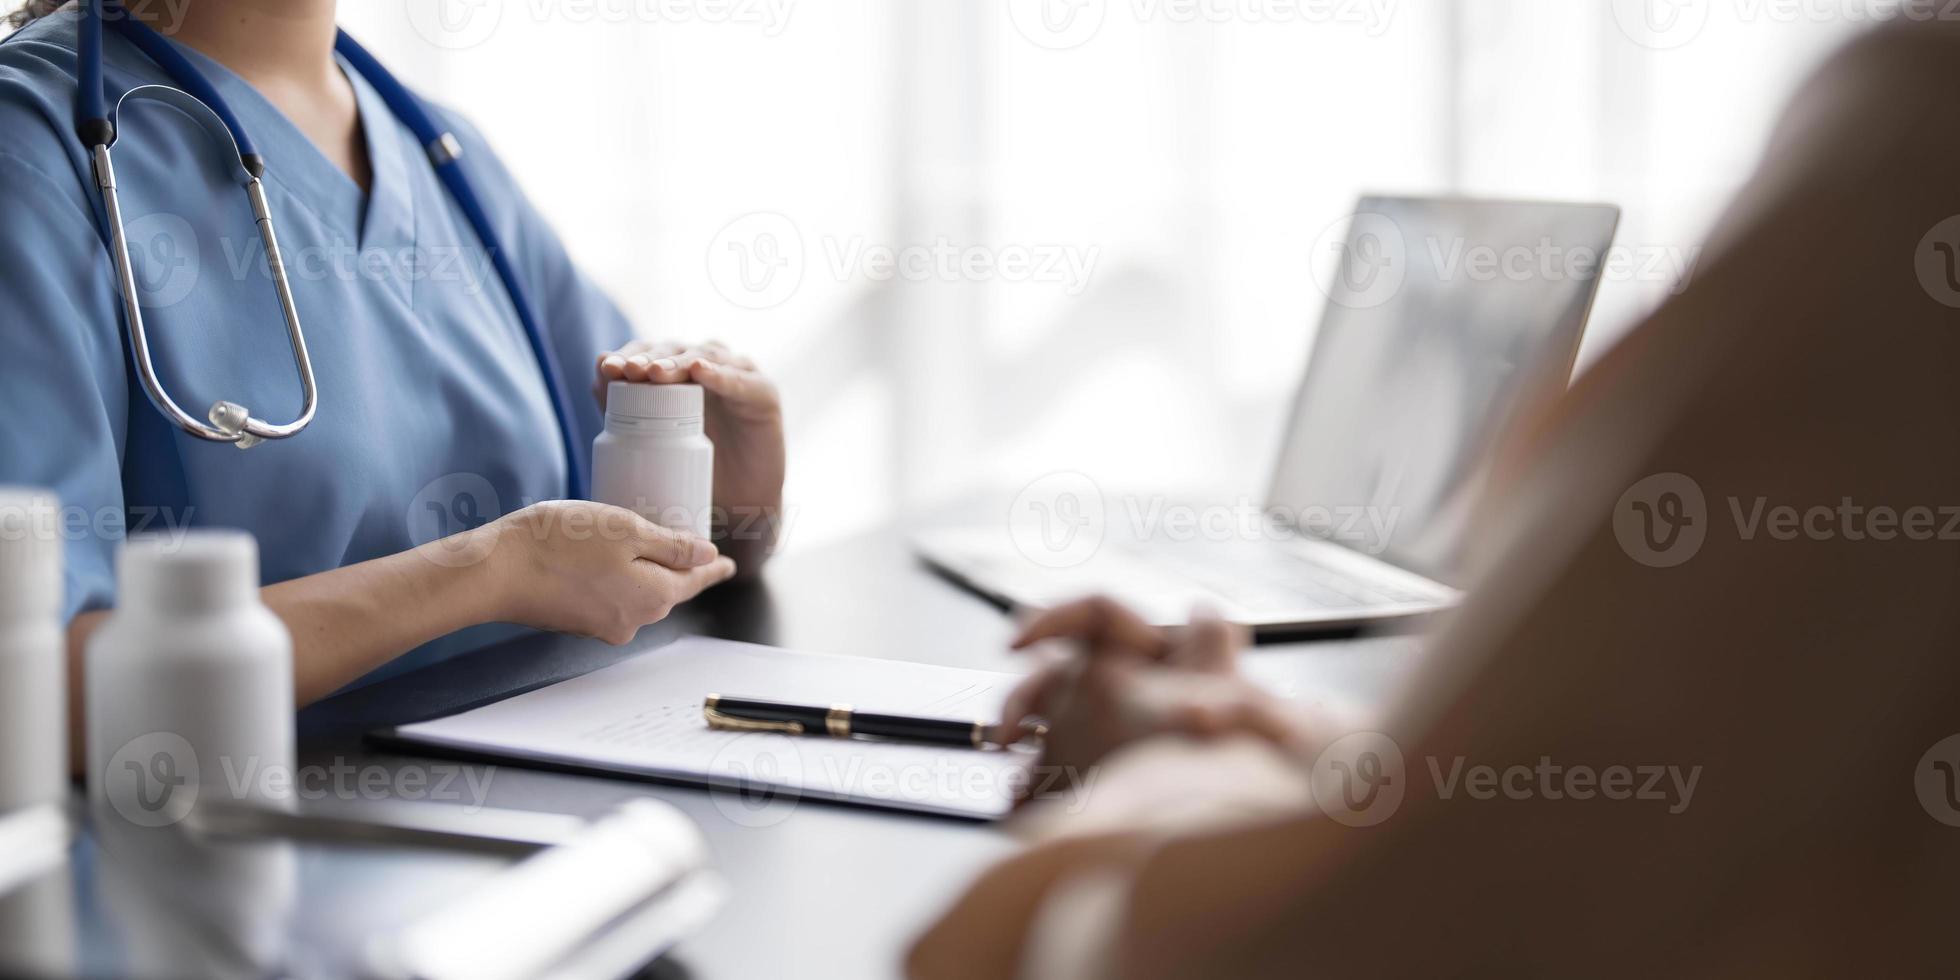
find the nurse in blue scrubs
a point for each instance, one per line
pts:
(418, 516)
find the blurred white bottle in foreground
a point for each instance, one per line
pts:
(33, 657)
(189, 682)
(653, 457)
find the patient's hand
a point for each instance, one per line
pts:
(1128, 681)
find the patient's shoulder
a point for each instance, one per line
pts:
(1891, 84)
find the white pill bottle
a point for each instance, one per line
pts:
(654, 458)
(189, 683)
(33, 653)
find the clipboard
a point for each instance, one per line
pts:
(641, 718)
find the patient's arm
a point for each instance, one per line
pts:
(1783, 685)
(1001, 905)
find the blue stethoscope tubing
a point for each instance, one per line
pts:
(231, 422)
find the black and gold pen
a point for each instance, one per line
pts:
(841, 721)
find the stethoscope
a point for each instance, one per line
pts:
(229, 421)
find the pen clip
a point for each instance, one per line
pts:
(730, 723)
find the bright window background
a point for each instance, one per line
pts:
(1188, 152)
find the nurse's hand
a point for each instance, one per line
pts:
(573, 566)
(745, 421)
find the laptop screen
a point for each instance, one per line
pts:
(1443, 318)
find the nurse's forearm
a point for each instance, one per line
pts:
(345, 622)
(353, 619)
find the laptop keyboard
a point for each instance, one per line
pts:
(1269, 579)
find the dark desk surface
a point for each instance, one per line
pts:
(824, 890)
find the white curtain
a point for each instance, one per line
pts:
(979, 242)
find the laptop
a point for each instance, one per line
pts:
(1444, 318)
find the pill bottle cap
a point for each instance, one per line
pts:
(30, 553)
(189, 571)
(639, 400)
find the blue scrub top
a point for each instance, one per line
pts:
(433, 411)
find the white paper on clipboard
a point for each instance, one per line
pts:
(643, 716)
